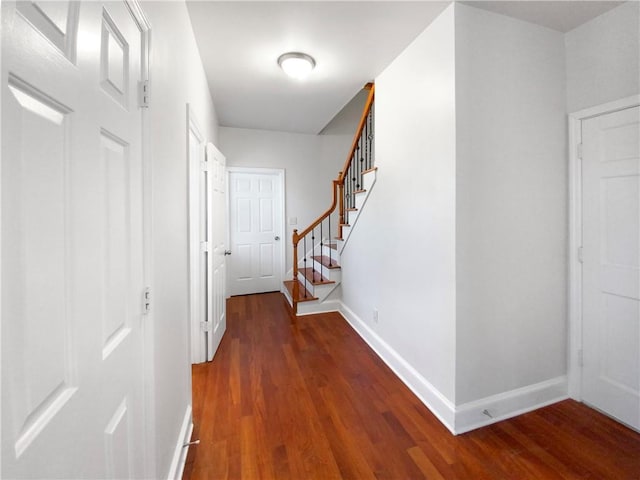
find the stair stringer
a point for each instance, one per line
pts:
(368, 181)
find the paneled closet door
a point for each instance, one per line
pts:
(72, 241)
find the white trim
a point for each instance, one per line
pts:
(197, 338)
(148, 325)
(368, 181)
(435, 401)
(470, 416)
(281, 175)
(180, 451)
(311, 308)
(574, 370)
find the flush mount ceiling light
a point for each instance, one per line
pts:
(297, 65)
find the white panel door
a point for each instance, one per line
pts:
(611, 274)
(218, 237)
(256, 223)
(72, 242)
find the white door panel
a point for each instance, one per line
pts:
(256, 228)
(611, 273)
(72, 242)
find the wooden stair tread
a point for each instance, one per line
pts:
(373, 169)
(359, 191)
(301, 292)
(324, 260)
(332, 245)
(351, 209)
(345, 225)
(314, 277)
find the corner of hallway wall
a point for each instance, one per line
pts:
(603, 58)
(511, 222)
(400, 260)
(177, 78)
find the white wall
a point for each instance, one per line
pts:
(511, 204)
(603, 58)
(401, 257)
(177, 78)
(311, 163)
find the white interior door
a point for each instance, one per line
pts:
(72, 242)
(256, 223)
(218, 234)
(611, 274)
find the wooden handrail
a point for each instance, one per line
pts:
(297, 236)
(341, 175)
(363, 119)
(338, 197)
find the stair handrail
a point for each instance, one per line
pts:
(356, 137)
(337, 194)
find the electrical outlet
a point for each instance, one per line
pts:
(375, 315)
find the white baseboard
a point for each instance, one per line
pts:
(311, 308)
(180, 452)
(435, 401)
(470, 416)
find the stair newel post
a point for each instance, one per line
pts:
(296, 288)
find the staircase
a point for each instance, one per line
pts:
(317, 270)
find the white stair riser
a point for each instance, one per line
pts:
(326, 251)
(332, 274)
(368, 180)
(319, 291)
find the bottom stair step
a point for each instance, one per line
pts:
(303, 294)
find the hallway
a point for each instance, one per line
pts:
(312, 401)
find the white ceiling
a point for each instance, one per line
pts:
(562, 16)
(352, 42)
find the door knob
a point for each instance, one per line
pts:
(277, 238)
(227, 252)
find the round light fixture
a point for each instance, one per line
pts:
(297, 65)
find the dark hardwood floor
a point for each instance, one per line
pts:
(310, 400)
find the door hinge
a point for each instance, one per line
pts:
(580, 255)
(146, 300)
(143, 94)
(204, 246)
(206, 326)
(579, 151)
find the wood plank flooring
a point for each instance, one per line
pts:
(310, 400)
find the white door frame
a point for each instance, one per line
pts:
(574, 350)
(280, 175)
(148, 331)
(197, 335)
